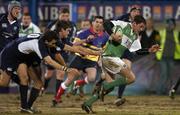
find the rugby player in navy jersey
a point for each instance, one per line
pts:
(64, 15)
(9, 26)
(15, 59)
(63, 35)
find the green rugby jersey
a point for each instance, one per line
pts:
(129, 40)
(32, 28)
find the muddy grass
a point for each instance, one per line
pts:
(135, 105)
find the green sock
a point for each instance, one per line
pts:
(92, 99)
(116, 82)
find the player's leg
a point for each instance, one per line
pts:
(70, 77)
(23, 76)
(126, 73)
(174, 89)
(77, 63)
(4, 78)
(90, 77)
(90, 68)
(119, 101)
(127, 76)
(48, 75)
(87, 105)
(37, 85)
(59, 79)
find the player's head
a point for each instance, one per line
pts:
(97, 23)
(64, 14)
(134, 11)
(63, 28)
(149, 23)
(26, 19)
(50, 38)
(85, 24)
(170, 24)
(14, 9)
(138, 24)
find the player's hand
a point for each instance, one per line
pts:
(90, 37)
(154, 48)
(78, 42)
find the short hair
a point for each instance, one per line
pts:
(65, 10)
(61, 24)
(49, 36)
(139, 19)
(97, 17)
(135, 7)
(26, 14)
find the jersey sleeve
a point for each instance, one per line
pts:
(82, 35)
(122, 24)
(36, 29)
(43, 52)
(60, 45)
(135, 46)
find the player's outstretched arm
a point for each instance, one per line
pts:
(60, 59)
(81, 50)
(48, 60)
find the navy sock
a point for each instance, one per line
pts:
(33, 96)
(46, 82)
(23, 94)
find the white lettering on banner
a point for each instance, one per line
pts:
(46, 13)
(92, 12)
(101, 10)
(54, 13)
(108, 12)
(51, 12)
(2, 10)
(146, 12)
(40, 14)
(177, 13)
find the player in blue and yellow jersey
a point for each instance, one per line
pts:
(94, 39)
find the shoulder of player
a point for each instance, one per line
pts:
(51, 24)
(83, 32)
(124, 17)
(120, 23)
(3, 15)
(72, 23)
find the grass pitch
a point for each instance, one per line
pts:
(135, 105)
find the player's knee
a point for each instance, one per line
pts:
(3, 83)
(38, 84)
(4, 79)
(48, 74)
(131, 79)
(23, 79)
(74, 72)
(60, 75)
(91, 79)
